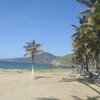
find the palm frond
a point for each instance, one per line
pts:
(40, 51)
(87, 3)
(88, 11)
(25, 54)
(93, 1)
(38, 45)
(75, 34)
(86, 24)
(33, 43)
(28, 44)
(25, 47)
(74, 26)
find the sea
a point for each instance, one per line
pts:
(25, 65)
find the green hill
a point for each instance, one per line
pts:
(45, 58)
(65, 60)
(40, 58)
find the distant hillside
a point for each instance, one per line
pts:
(41, 58)
(45, 58)
(65, 60)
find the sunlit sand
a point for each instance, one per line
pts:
(20, 86)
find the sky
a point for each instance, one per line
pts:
(46, 21)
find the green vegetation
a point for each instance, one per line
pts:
(53, 67)
(65, 60)
(86, 40)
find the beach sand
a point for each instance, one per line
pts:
(20, 86)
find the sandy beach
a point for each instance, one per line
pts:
(19, 86)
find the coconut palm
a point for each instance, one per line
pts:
(94, 19)
(80, 41)
(86, 40)
(31, 49)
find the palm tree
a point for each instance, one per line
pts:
(31, 49)
(86, 40)
(93, 24)
(80, 41)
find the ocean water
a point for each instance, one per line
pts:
(25, 65)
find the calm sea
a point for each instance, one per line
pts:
(24, 65)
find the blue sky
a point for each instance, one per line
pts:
(46, 21)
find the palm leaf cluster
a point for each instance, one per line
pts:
(32, 48)
(86, 40)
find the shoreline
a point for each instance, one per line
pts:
(37, 70)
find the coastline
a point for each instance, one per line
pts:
(37, 70)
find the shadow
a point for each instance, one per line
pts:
(39, 77)
(68, 80)
(86, 82)
(76, 98)
(88, 98)
(98, 85)
(47, 99)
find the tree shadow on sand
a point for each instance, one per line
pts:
(47, 99)
(86, 82)
(68, 80)
(88, 98)
(39, 77)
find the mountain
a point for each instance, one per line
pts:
(45, 58)
(40, 58)
(65, 60)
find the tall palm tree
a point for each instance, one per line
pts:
(31, 49)
(80, 41)
(86, 40)
(93, 24)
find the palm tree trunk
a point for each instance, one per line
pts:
(97, 61)
(86, 63)
(32, 75)
(87, 67)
